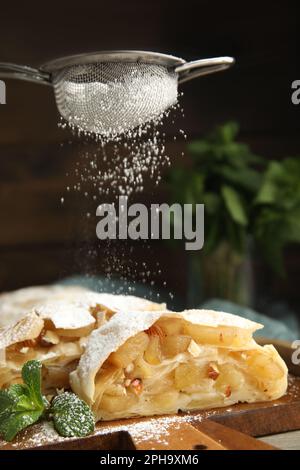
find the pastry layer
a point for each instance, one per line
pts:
(146, 363)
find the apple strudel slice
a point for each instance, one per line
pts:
(147, 363)
(55, 334)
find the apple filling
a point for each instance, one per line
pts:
(176, 365)
(58, 349)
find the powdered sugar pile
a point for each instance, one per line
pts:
(156, 429)
(68, 315)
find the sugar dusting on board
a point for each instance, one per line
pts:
(156, 429)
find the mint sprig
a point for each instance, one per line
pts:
(22, 405)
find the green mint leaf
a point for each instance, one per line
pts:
(17, 390)
(6, 403)
(16, 421)
(234, 205)
(25, 403)
(71, 416)
(31, 373)
(21, 405)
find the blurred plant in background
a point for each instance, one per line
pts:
(277, 210)
(248, 201)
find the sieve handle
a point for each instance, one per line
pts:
(197, 68)
(22, 72)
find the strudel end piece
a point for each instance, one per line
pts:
(147, 363)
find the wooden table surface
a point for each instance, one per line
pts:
(285, 440)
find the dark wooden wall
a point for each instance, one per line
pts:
(41, 240)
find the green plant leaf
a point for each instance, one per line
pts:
(24, 403)
(71, 415)
(225, 133)
(198, 147)
(234, 205)
(6, 402)
(17, 390)
(267, 193)
(246, 178)
(16, 422)
(243, 194)
(277, 211)
(31, 374)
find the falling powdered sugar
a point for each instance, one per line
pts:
(111, 165)
(122, 161)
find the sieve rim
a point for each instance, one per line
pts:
(144, 57)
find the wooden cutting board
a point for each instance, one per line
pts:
(218, 429)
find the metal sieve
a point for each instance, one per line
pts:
(109, 93)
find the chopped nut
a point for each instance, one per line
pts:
(155, 330)
(95, 309)
(213, 372)
(101, 318)
(101, 314)
(137, 386)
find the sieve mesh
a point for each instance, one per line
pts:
(110, 98)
